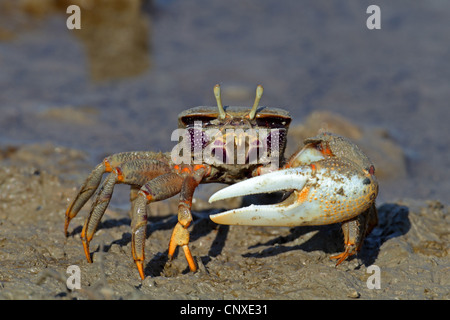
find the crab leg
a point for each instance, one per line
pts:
(160, 188)
(325, 192)
(93, 180)
(86, 191)
(180, 235)
(133, 172)
(355, 230)
(182, 181)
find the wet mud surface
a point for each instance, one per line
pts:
(64, 106)
(410, 246)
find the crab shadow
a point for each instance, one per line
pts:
(393, 222)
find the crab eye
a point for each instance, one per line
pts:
(274, 141)
(272, 122)
(198, 138)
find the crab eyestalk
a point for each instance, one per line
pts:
(222, 113)
(259, 92)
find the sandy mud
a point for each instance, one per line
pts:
(410, 246)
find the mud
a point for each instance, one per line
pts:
(410, 246)
(66, 101)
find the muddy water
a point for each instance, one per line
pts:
(70, 97)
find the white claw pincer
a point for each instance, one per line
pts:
(325, 192)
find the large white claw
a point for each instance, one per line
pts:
(283, 214)
(329, 191)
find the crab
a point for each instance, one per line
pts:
(329, 180)
(158, 176)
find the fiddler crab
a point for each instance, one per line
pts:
(329, 180)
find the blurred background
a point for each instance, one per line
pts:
(119, 82)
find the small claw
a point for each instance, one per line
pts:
(341, 257)
(180, 237)
(189, 258)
